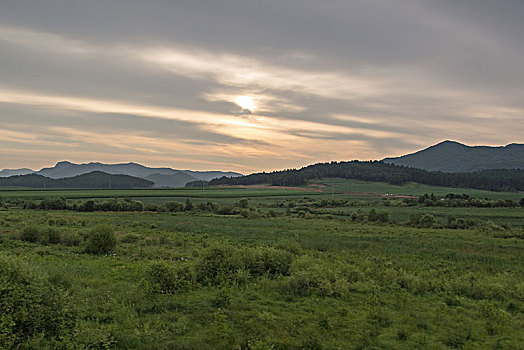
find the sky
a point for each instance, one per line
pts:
(248, 86)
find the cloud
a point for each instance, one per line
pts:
(358, 79)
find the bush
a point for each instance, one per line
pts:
(31, 234)
(357, 216)
(54, 204)
(221, 264)
(189, 205)
(52, 236)
(101, 240)
(169, 279)
(30, 305)
(70, 239)
(243, 203)
(43, 235)
(375, 216)
(173, 207)
(427, 221)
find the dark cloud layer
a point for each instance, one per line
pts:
(157, 81)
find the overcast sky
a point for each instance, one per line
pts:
(158, 82)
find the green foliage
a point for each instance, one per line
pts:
(31, 234)
(53, 204)
(375, 216)
(493, 180)
(202, 280)
(30, 305)
(70, 239)
(427, 220)
(53, 236)
(170, 278)
(173, 207)
(101, 240)
(222, 264)
(243, 203)
(422, 220)
(189, 205)
(42, 235)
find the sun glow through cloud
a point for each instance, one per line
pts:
(154, 93)
(246, 102)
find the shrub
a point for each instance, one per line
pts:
(52, 235)
(31, 234)
(427, 221)
(313, 276)
(375, 216)
(174, 207)
(54, 204)
(243, 203)
(43, 235)
(30, 305)
(357, 216)
(372, 216)
(189, 205)
(221, 264)
(169, 279)
(90, 205)
(101, 240)
(214, 263)
(70, 239)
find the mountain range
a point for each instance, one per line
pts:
(94, 179)
(161, 177)
(13, 172)
(447, 157)
(451, 156)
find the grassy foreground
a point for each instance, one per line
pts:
(204, 281)
(255, 268)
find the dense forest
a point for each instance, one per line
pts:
(492, 180)
(95, 179)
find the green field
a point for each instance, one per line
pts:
(415, 189)
(279, 269)
(147, 193)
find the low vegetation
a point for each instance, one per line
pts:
(292, 272)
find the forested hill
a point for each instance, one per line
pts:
(95, 179)
(451, 156)
(493, 180)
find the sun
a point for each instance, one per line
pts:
(245, 102)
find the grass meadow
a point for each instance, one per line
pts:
(279, 269)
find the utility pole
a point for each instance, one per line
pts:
(332, 191)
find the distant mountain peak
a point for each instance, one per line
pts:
(450, 142)
(453, 156)
(63, 163)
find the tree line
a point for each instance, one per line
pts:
(377, 171)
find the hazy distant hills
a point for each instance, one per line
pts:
(162, 177)
(95, 179)
(451, 156)
(176, 180)
(12, 172)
